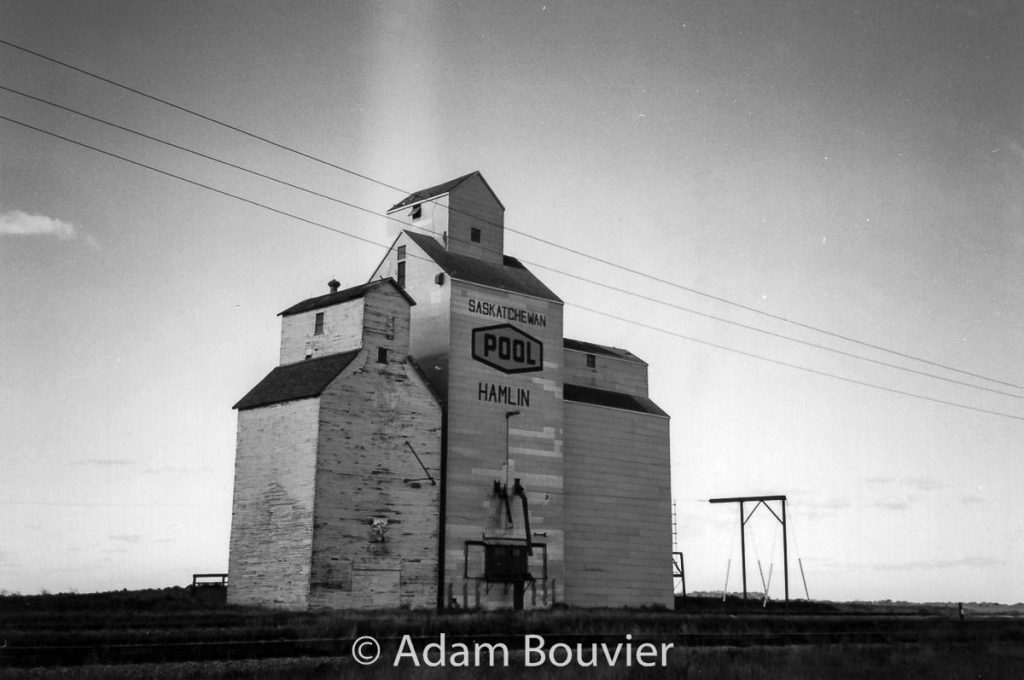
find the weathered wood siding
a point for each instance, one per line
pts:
(609, 373)
(272, 511)
(476, 443)
(618, 525)
(367, 417)
(342, 332)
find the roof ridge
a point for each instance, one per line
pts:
(442, 188)
(337, 297)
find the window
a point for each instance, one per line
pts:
(591, 361)
(416, 212)
(401, 253)
(474, 235)
(318, 325)
(382, 355)
(401, 275)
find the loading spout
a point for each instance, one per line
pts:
(501, 491)
(521, 492)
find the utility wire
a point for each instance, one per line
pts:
(582, 307)
(796, 366)
(584, 279)
(189, 111)
(553, 244)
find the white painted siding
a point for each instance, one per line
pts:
(272, 512)
(342, 332)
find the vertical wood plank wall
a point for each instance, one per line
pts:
(618, 531)
(473, 206)
(476, 440)
(609, 373)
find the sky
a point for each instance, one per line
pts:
(855, 168)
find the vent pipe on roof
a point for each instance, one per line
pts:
(333, 285)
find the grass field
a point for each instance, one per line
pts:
(170, 634)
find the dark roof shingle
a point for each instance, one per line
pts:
(594, 348)
(296, 381)
(511, 276)
(438, 190)
(352, 293)
(628, 402)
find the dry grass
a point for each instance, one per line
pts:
(166, 628)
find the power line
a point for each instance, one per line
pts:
(189, 111)
(582, 307)
(574, 251)
(778, 335)
(641, 296)
(192, 151)
(792, 365)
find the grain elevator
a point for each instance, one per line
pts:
(432, 439)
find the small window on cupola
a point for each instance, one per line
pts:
(474, 235)
(416, 212)
(318, 324)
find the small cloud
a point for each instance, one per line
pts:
(971, 499)
(126, 538)
(20, 223)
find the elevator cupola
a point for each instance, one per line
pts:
(463, 214)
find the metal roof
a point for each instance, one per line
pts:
(628, 402)
(352, 293)
(594, 348)
(301, 380)
(511, 275)
(440, 189)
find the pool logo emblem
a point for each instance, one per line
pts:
(508, 349)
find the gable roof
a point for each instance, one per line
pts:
(594, 348)
(511, 275)
(628, 402)
(352, 293)
(301, 380)
(440, 189)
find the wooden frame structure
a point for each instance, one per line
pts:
(744, 518)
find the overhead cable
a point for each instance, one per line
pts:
(548, 242)
(581, 307)
(556, 270)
